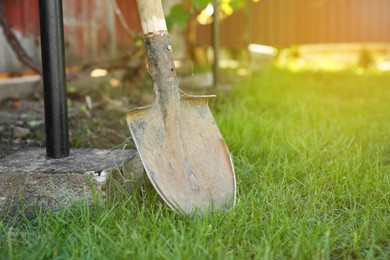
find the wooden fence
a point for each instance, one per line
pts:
(91, 27)
(288, 22)
(92, 30)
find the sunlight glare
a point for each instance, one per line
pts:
(205, 17)
(384, 66)
(98, 73)
(263, 49)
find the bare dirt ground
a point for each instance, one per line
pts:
(99, 125)
(96, 111)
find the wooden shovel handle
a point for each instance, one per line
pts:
(152, 16)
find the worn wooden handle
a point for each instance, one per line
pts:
(152, 16)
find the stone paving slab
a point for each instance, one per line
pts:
(19, 87)
(28, 178)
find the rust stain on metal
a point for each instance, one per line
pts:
(181, 147)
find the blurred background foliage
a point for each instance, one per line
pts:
(203, 10)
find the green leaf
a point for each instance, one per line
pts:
(178, 15)
(237, 4)
(200, 4)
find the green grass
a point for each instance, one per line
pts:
(312, 157)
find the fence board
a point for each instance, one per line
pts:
(289, 22)
(91, 28)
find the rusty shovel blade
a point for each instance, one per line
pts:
(180, 145)
(187, 161)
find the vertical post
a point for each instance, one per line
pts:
(110, 25)
(54, 78)
(216, 42)
(248, 35)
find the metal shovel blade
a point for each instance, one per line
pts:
(184, 154)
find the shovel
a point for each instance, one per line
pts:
(180, 145)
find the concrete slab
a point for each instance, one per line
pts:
(28, 178)
(20, 87)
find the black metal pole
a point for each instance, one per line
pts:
(54, 78)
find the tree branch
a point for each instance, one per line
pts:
(122, 20)
(13, 41)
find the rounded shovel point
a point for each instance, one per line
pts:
(185, 155)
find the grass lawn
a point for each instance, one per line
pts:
(312, 158)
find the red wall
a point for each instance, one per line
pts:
(88, 34)
(23, 15)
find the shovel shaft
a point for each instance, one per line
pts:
(162, 67)
(159, 53)
(152, 16)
